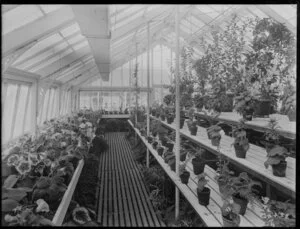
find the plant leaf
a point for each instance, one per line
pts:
(9, 204)
(14, 194)
(10, 181)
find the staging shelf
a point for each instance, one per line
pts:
(253, 163)
(211, 214)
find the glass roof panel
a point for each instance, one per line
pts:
(286, 11)
(73, 40)
(80, 45)
(43, 56)
(49, 8)
(19, 16)
(128, 20)
(128, 12)
(70, 30)
(45, 43)
(51, 60)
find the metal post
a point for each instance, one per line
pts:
(177, 109)
(152, 71)
(161, 74)
(148, 87)
(136, 85)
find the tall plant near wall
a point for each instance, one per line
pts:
(271, 63)
(187, 78)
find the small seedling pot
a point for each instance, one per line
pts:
(160, 151)
(198, 166)
(230, 223)
(242, 202)
(185, 177)
(172, 163)
(150, 139)
(170, 120)
(193, 130)
(279, 169)
(154, 145)
(203, 196)
(240, 152)
(215, 141)
(248, 114)
(183, 156)
(170, 146)
(181, 122)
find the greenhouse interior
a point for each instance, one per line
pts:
(148, 115)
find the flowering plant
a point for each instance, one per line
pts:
(278, 214)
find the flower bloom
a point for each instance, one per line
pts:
(81, 215)
(23, 167)
(13, 160)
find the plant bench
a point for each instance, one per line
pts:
(287, 128)
(116, 116)
(253, 163)
(64, 204)
(211, 215)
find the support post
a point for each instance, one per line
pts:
(34, 107)
(177, 144)
(148, 87)
(136, 85)
(161, 74)
(152, 71)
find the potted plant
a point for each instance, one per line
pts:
(278, 213)
(198, 101)
(162, 114)
(276, 158)
(289, 101)
(154, 144)
(168, 155)
(183, 173)
(198, 161)
(230, 215)
(223, 174)
(242, 191)
(203, 192)
(150, 139)
(245, 104)
(172, 162)
(213, 133)
(160, 150)
(241, 143)
(193, 128)
(170, 118)
(271, 136)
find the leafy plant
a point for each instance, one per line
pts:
(278, 214)
(276, 155)
(230, 211)
(244, 101)
(202, 181)
(240, 136)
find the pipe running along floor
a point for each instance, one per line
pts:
(123, 199)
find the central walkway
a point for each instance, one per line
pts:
(123, 199)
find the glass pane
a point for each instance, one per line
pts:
(50, 8)
(9, 110)
(19, 16)
(50, 108)
(45, 103)
(29, 114)
(20, 111)
(70, 30)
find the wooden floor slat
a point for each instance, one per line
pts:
(123, 199)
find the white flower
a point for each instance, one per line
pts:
(9, 218)
(63, 144)
(222, 132)
(82, 125)
(42, 206)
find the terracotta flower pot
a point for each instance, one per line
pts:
(198, 166)
(193, 130)
(182, 123)
(242, 202)
(154, 145)
(230, 223)
(215, 141)
(172, 164)
(160, 151)
(203, 196)
(170, 120)
(185, 177)
(262, 108)
(240, 152)
(279, 169)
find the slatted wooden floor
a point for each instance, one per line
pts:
(123, 199)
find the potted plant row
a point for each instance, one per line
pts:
(41, 170)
